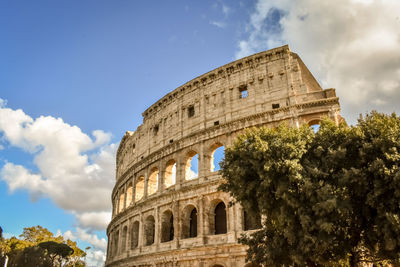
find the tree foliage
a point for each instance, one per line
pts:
(330, 198)
(39, 247)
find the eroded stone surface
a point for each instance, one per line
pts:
(165, 214)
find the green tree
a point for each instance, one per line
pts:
(331, 198)
(39, 247)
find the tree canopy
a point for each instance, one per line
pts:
(39, 247)
(330, 198)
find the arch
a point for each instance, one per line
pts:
(139, 188)
(192, 166)
(135, 235)
(170, 173)
(116, 205)
(123, 238)
(167, 226)
(149, 230)
(116, 241)
(251, 221)
(218, 224)
(217, 154)
(152, 183)
(314, 124)
(189, 222)
(121, 201)
(129, 194)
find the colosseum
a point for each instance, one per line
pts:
(167, 210)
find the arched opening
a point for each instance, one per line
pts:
(129, 192)
(153, 182)
(217, 155)
(121, 201)
(189, 222)
(192, 166)
(116, 205)
(167, 226)
(116, 241)
(314, 125)
(250, 221)
(139, 188)
(170, 173)
(135, 235)
(123, 239)
(193, 223)
(149, 230)
(220, 219)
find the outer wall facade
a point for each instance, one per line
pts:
(163, 213)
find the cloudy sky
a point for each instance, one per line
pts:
(75, 75)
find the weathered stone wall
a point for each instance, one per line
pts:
(150, 208)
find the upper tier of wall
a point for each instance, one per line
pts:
(273, 79)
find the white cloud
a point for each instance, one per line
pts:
(219, 24)
(76, 171)
(3, 103)
(93, 239)
(351, 45)
(94, 220)
(226, 10)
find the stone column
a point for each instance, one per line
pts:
(141, 232)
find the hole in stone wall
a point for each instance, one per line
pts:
(167, 226)
(274, 106)
(135, 235)
(170, 173)
(216, 123)
(153, 182)
(243, 92)
(155, 129)
(149, 230)
(192, 166)
(116, 241)
(190, 111)
(189, 222)
(129, 195)
(220, 219)
(139, 190)
(193, 223)
(216, 156)
(121, 201)
(123, 239)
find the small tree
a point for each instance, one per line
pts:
(323, 194)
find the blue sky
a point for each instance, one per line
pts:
(75, 75)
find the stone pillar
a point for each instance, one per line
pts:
(202, 219)
(157, 226)
(177, 220)
(133, 189)
(141, 232)
(125, 196)
(146, 183)
(161, 176)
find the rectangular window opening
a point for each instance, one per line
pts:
(156, 128)
(274, 106)
(216, 123)
(190, 111)
(243, 92)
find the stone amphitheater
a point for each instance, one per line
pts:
(167, 210)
